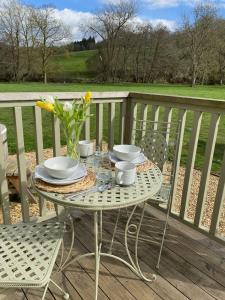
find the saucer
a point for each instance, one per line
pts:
(79, 173)
(137, 161)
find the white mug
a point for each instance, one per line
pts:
(85, 148)
(125, 173)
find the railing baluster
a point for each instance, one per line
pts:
(111, 121)
(190, 163)
(144, 114)
(167, 119)
(210, 147)
(182, 120)
(21, 163)
(122, 121)
(4, 193)
(155, 116)
(87, 126)
(99, 124)
(56, 136)
(133, 122)
(39, 151)
(218, 205)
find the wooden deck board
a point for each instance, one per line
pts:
(192, 267)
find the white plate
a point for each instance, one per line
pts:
(137, 161)
(78, 174)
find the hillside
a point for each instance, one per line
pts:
(71, 66)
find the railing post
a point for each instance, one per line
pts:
(209, 151)
(21, 163)
(122, 120)
(39, 151)
(218, 205)
(99, 124)
(56, 136)
(130, 123)
(111, 121)
(4, 194)
(190, 163)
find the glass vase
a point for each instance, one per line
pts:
(72, 149)
(72, 141)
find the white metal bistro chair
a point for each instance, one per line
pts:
(28, 252)
(159, 142)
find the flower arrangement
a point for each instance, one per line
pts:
(71, 115)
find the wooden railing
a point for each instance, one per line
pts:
(120, 109)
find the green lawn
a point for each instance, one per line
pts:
(72, 65)
(216, 92)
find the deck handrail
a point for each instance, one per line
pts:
(148, 107)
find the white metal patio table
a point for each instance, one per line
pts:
(147, 184)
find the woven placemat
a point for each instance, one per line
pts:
(147, 165)
(87, 182)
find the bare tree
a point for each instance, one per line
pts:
(10, 29)
(29, 34)
(197, 35)
(50, 32)
(108, 24)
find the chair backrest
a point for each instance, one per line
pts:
(160, 142)
(154, 146)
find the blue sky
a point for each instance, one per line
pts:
(169, 12)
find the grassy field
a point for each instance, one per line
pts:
(215, 92)
(72, 65)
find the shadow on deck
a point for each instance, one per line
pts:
(192, 267)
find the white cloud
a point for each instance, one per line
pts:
(74, 20)
(174, 3)
(170, 24)
(162, 3)
(157, 3)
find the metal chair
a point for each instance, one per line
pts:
(28, 253)
(159, 142)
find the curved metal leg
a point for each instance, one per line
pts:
(100, 226)
(163, 238)
(62, 263)
(134, 229)
(114, 232)
(97, 252)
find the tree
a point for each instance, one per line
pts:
(197, 34)
(50, 32)
(10, 29)
(108, 24)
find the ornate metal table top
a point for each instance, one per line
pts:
(147, 184)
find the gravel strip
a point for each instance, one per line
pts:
(15, 209)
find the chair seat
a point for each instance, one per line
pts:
(28, 252)
(163, 194)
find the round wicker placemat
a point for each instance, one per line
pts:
(87, 182)
(140, 168)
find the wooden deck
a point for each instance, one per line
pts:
(192, 267)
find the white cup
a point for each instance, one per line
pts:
(85, 148)
(125, 173)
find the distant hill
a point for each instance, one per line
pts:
(71, 66)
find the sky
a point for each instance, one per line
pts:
(167, 12)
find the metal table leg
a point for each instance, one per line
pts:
(97, 249)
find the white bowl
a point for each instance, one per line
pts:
(60, 166)
(126, 152)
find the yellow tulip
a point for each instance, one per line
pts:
(87, 97)
(40, 104)
(47, 106)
